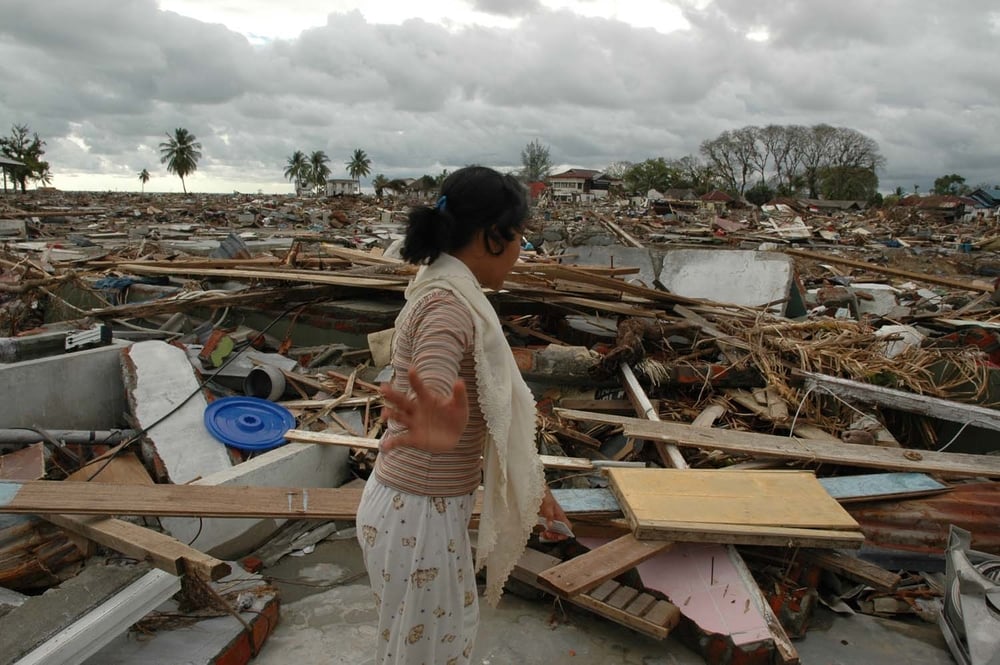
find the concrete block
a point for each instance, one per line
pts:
(737, 277)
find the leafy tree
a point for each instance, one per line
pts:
(441, 177)
(359, 165)
(297, 169)
(29, 151)
(759, 194)
(379, 182)
(848, 183)
(694, 174)
(180, 153)
(951, 184)
(144, 178)
(650, 174)
(536, 165)
(318, 171)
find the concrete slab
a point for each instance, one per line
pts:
(881, 298)
(737, 277)
(619, 257)
(164, 395)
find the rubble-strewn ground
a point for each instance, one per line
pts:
(902, 298)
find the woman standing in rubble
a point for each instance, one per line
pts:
(459, 414)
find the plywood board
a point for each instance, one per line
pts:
(787, 499)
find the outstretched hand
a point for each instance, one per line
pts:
(430, 421)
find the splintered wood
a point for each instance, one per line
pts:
(785, 508)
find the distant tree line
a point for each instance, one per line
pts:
(757, 163)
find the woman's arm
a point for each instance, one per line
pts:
(551, 511)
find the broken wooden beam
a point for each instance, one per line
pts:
(768, 445)
(160, 550)
(906, 274)
(588, 571)
(956, 412)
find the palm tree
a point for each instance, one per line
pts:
(359, 166)
(180, 153)
(318, 170)
(297, 169)
(144, 178)
(379, 182)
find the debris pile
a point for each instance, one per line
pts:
(783, 406)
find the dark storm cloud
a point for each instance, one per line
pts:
(915, 76)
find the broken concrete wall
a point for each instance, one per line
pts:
(80, 390)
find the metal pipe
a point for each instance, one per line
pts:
(79, 437)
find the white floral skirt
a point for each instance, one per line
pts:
(419, 560)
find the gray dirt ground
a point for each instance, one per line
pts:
(320, 624)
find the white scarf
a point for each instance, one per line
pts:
(513, 474)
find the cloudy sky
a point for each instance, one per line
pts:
(426, 85)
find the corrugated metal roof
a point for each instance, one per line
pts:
(921, 524)
(7, 161)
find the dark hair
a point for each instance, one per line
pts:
(473, 198)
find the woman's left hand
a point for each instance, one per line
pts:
(551, 512)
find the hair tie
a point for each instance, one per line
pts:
(441, 203)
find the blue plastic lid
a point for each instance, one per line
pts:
(248, 423)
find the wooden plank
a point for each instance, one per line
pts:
(656, 630)
(591, 569)
(124, 469)
(752, 498)
(906, 274)
(604, 590)
(768, 445)
(622, 596)
(387, 282)
(333, 439)
(956, 412)
(533, 562)
(895, 459)
(622, 406)
(25, 464)
(160, 550)
(641, 604)
(669, 454)
(42, 497)
(736, 534)
(854, 568)
(663, 613)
